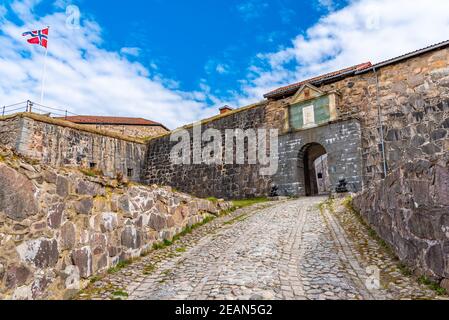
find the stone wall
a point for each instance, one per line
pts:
(410, 211)
(60, 143)
(221, 181)
(342, 143)
(130, 130)
(413, 96)
(59, 227)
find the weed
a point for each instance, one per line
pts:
(432, 285)
(149, 269)
(181, 250)
(121, 265)
(120, 293)
(248, 202)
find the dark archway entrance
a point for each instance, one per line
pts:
(314, 169)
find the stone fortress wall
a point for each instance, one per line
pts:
(130, 130)
(63, 144)
(58, 227)
(413, 96)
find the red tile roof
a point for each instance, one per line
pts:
(111, 120)
(290, 89)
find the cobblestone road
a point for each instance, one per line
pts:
(287, 250)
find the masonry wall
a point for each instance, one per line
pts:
(132, 131)
(59, 227)
(410, 211)
(342, 143)
(221, 181)
(59, 145)
(414, 101)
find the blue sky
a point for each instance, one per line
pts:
(178, 61)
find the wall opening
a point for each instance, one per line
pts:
(314, 171)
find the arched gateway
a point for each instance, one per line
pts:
(314, 169)
(319, 147)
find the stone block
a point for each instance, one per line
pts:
(17, 194)
(42, 253)
(82, 258)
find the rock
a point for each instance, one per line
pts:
(68, 236)
(55, 215)
(84, 206)
(72, 282)
(131, 238)
(17, 194)
(425, 223)
(23, 293)
(62, 186)
(438, 134)
(445, 123)
(43, 253)
(157, 222)
(100, 263)
(417, 141)
(109, 221)
(50, 177)
(82, 258)
(435, 260)
(445, 284)
(27, 167)
(17, 276)
(430, 148)
(88, 188)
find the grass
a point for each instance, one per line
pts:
(432, 285)
(120, 293)
(91, 172)
(212, 199)
(94, 279)
(149, 269)
(248, 202)
(181, 250)
(121, 265)
(236, 219)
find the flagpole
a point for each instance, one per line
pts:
(44, 74)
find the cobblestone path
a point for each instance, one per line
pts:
(287, 250)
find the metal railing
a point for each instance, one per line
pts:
(34, 107)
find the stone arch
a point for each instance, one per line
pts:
(307, 157)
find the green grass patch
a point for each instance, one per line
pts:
(432, 285)
(91, 172)
(94, 279)
(121, 265)
(181, 250)
(149, 269)
(120, 293)
(236, 219)
(212, 199)
(248, 202)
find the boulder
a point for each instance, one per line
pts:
(82, 258)
(17, 194)
(43, 253)
(68, 236)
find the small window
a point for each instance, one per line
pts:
(130, 172)
(92, 165)
(320, 175)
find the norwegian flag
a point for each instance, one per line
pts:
(39, 37)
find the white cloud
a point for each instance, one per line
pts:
(222, 68)
(365, 30)
(131, 51)
(86, 78)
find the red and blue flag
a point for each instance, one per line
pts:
(39, 37)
